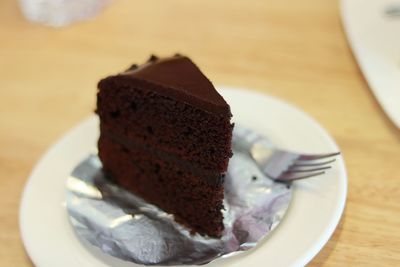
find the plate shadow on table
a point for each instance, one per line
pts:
(388, 122)
(320, 259)
(28, 260)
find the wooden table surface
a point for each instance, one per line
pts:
(295, 50)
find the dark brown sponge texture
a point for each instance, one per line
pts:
(190, 198)
(171, 126)
(170, 146)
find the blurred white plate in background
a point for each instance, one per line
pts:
(373, 30)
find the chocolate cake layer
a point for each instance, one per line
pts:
(199, 136)
(211, 177)
(193, 201)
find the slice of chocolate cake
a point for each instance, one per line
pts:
(165, 134)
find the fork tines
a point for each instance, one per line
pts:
(306, 166)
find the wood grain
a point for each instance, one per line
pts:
(295, 50)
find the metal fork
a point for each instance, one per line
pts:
(280, 165)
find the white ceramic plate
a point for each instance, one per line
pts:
(315, 210)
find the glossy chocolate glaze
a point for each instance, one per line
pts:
(176, 77)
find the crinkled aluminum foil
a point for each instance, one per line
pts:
(125, 226)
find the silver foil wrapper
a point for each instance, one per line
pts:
(127, 227)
